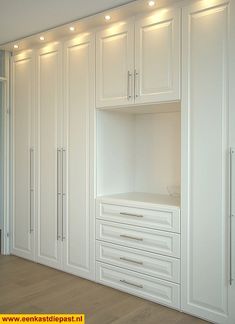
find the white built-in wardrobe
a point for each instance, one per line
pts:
(123, 163)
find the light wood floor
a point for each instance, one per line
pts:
(27, 287)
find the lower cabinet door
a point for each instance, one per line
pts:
(152, 264)
(160, 291)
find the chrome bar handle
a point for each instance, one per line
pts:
(63, 191)
(58, 192)
(129, 76)
(132, 215)
(131, 284)
(136, 85)
(232, 214)
(31, 188)
(131, 237)
(130, 260)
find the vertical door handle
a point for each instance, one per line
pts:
(232, 214)
(63, 192)
(129, 77)
(136, 83)
(31, 189)
(58, 192)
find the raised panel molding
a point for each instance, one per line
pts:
(205, 161)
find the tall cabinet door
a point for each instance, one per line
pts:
(114, 65)
(157, 56)
(49, 102)
(78, 219)
(22, 156)
(205, 161)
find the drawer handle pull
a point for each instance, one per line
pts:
(129, 260)
(131, 237)
(131, 284)
(133, 215)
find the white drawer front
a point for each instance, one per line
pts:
(160, 291)
(161, 242)
(148, 263)
(167, 220)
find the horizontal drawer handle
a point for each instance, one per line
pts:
(133, 215)
(131, 284)
(131, 237)
(129, 260)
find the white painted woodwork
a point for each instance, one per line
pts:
(152, 264)
(232, 144)
(143, 200)
(49, 102)
(157, 56)
(205, 205)
(156, 218)
(137, 152)
(78, 250)
(161, 242)
(160, 291)
(22, 141)
(114, 58)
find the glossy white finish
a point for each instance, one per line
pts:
(205, 161)
(155, 218)
(49, 101)
(78, 220)
(151, 264)
(148, 287)
(23, 140)
(161, 242)
(157, 56)
(114, 59)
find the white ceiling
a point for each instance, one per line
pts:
(21, 18)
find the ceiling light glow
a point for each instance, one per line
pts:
(107, 17)
(151, 3)
(42, 38)
(72, 28)
(16, 46)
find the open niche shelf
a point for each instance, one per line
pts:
(138, 155)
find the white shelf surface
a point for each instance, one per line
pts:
(142, 197)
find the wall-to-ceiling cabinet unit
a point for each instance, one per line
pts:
(52, 170)
(159, 127)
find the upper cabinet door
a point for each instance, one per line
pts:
(78, 219)
(157, 56)
(114, 65)
(22, 152)
(49, 101)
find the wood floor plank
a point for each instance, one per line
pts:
(27, 287)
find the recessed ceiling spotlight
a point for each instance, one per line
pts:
(107, 17)
(72, 28)
(16, 46)
(151, 3)
(42, 38)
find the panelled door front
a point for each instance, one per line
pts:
(157, 56)
(23, 156)
(49, 102)
(78, 235)
(115, 65)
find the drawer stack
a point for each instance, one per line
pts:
(138, 249)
